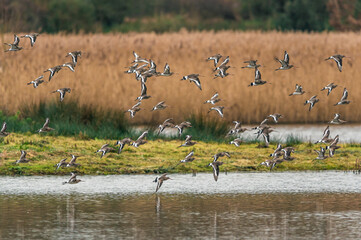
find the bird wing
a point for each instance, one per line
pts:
(136, 105)
(188, 138)
(143, 135)
(286, 58)
(16, 40)
(214, 96)
(257, 75)
(335, 141)
(215, 171)
(189, 155)
(47, 121)
(345, 95)
(3, 127)
(160, 182)
(196, 81)
(326, 132)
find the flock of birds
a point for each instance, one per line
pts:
(144, 68)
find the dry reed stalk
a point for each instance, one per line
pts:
(99, 79)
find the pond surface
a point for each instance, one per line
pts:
(290, 205)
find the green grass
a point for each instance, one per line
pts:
(157, 156)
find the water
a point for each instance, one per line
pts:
(349, 133)
(291, 205)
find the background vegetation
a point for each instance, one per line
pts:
(172, 15)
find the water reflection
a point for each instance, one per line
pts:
(165, 216)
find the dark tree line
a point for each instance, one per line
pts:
(171, 15)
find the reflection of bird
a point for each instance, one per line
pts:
(338, 60)
(160, 181)
(37, 81)
(62, 92)
(329, 88)
(312, 101)
(46, 127)
(343, 100)
(337, 120)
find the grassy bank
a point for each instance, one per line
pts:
(154, 157)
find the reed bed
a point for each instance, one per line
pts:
(99, 80)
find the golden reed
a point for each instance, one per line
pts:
(99, 79)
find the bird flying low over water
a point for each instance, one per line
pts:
(344, 97)
(193, 78)
(326, 136)
(73, 179)
(338, 60)
(312, 101)
(160, 180)
(337, 120)
(215, 165)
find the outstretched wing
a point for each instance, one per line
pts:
(257, 76)
(189, 155)
(3, 129)
(345, 95)
(286, 58)
(214, 96)
(144, 134)
(47, 121)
